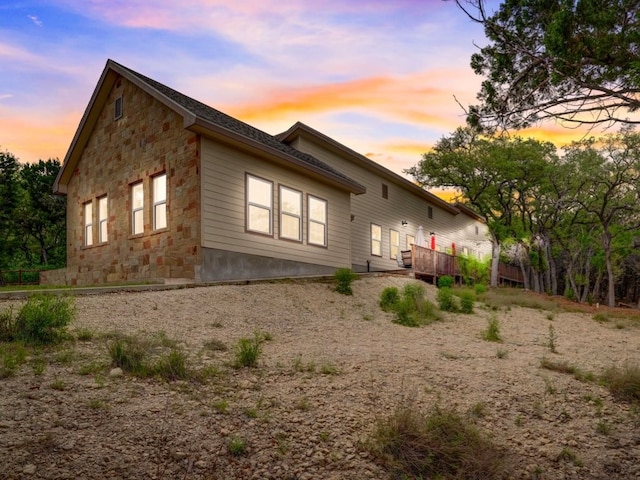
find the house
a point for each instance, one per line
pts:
(162, 187)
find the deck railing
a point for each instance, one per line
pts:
(433, 264)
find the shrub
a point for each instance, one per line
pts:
(492, 333)
(441, 444)
(413, 309)
(389, 298)
(248, 350)
(623, 383)
(344, 278)
(446, 281)
(7, 325)
(172, 366)
(466, 302)
(44, 318)
(237, 446)
(480, 288)
(128, 354)
(446, 301)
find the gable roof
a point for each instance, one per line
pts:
(300, 129)
(199, 118)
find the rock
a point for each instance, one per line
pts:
(29, 469)
(115, 372)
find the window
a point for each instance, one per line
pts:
(103, 217)
(290, 214)
(259, 205)
(429, 212)
(410, 241)
(88, 224)
(376, 240)
(385, 191)
(160, 201)
(317, 221)
(394, 244)
(137, 206)
(477, 231)
(117, 108)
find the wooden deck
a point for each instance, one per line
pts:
(430, 264)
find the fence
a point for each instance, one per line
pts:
(19, 277)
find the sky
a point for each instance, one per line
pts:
(386, 78)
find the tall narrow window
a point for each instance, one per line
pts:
(103, 216)
(88, 223)
(394, 244)
(117, 108)
(430, 212)
(477, 230)
(317, 221)
(160, 201)
(137, 209)
(376, 240)
(385, 191)
(410, 241)
(259, 205)
(290, 214)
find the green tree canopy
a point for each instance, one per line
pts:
(576, 61)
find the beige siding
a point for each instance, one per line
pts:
(401, 204)
(223, 209)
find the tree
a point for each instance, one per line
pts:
(575, 61)
(497, 177)
(9, 199)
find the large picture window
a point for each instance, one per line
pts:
(376, 240)
(103, 217)
(259, 205)
(317, 221)
(160, 201)
(137, 209)
(290, 214)
(394, 244)
(88, 223)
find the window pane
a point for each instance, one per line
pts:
(394, 243)
(259, 192)
(376, 232)
(291, 201)
(88, 232)
(376, 247)
(317, 233)
(290, 227)
(376, 240)
(103, 231)
(160, 216)
(159, 188)
(102, 208)
(88, 214)
(317, 210)
(137, 196)
(138, 222)
(88, 223)
(259, 219)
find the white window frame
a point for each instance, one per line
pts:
(87, 213)
(255, 204)
(376, 240)
(394, 244)
(103, 219)
(160, 221)
(137, 210)
(288, 214)
(316, 222)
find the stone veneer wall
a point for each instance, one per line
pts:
(147, 140)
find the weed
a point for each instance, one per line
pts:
(623, 382)
(492, 333)
(440, 444)
(603, 427)
(467, 300)
(251, 412)
(303, 404)
(329, 369)
(446, 300)
(445, 281)
(478, 410)
(128, 354)
(221, 406)
(324, 436)
(215, 345)
(551, 316)
(43, 319)
(84, 335)
(58, 384)
(552, 340)
(480, 288)
(248, 350)
(12, 355)
(413, 309)
(237, 446)
(502, 353)
(601, 317)
(92, 368)
(389, 298)
(98, 404)
(569, 455)
(38, 365)
(344, 278)
(518, 421)
(7, 325)
(172, 366)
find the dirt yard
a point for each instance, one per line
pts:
(333, 366)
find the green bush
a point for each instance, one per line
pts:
(344, 278)
(440, 444)
(474, 271)
(446, 281)
(446, 300)
(480, 288)
(389, 298)
(492, 333)
(44, 318)
(411, 307)
(248, 350)
(466, 302)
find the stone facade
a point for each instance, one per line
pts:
(147, 140)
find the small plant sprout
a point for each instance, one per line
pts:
(492, 333)
(237, 446)
(552, 340)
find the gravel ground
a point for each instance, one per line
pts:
(334, 365)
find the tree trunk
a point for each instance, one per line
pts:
(611, 292)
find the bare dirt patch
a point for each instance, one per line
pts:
(334, 365)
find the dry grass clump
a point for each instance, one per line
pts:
(441, 444)
(497, 298)
(623, 382)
